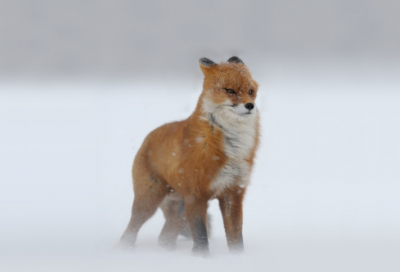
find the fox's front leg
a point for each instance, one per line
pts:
(196, 214)
(231, 207)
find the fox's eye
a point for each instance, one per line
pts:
(230, 91)
(250, 92)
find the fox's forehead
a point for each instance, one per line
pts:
(234, 69)
(234, 76)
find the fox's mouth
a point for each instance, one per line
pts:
(234, 107)
(246, 113)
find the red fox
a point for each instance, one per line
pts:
(182, 165)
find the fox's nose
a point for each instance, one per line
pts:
(249, 106)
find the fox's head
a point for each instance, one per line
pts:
(229, 91)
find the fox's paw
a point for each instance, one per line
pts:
(168, 244)
(127, 241)
(201, 251)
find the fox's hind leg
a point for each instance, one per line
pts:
(149, 193)
(173, 208)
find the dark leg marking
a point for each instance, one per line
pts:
(201, 240)
(228, 204)
(181, 208)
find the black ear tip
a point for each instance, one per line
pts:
(235, 59)
(206, 62)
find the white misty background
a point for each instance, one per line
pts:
(83, 82)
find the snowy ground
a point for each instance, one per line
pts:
(324, 195)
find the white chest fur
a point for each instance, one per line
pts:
(239, 135)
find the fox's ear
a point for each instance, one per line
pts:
(235, 59)
(206, 64)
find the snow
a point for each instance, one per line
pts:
(324, 194)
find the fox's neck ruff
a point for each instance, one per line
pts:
(239, 130)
